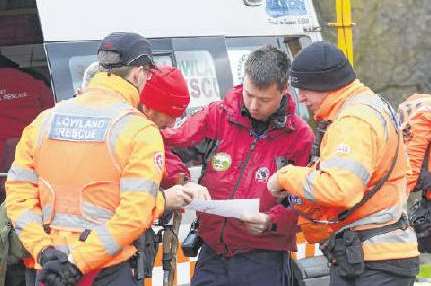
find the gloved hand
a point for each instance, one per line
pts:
(274, 187)
(60, 273)
(51, 254)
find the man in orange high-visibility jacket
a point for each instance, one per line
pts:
(84, 184)
(361, 151)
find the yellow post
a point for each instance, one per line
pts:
(344, 28)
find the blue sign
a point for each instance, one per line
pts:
(279, 8)
(78, 128)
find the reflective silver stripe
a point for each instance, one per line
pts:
(21, 174)
(308, 186)
(46, 213)
(96, 212)
(348, 165)
(381, 217)
(397, 236)
(25, 219)
(376, 104)
(72, 221)
(43, 130)
(116, 130)
(114, 134)
(382, 121)
(108, 241)
(138, 185)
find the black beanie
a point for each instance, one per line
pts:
(321, 67)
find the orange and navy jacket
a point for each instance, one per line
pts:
(356, 152)
(239, 167)
(90, 163)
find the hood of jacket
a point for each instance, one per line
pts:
(117, 84)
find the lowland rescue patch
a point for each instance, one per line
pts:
(78, 128)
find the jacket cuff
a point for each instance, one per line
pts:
(284, 220)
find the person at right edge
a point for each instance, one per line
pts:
(415, 117)
(252, 131)
(353, 199)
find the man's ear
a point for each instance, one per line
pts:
(133, 76)
(135, 72)
(145, 110)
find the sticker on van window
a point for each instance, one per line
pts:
(237, 60)
(199, 70)
(77, 66)
(279, 8)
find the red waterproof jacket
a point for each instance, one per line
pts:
(174, 168)
(239, 167)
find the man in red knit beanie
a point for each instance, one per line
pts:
(165, 96)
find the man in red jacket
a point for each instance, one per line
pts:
(22, 97)
(251, 133)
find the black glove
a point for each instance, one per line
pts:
(59, 273)
(51, 254)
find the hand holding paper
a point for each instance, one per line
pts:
(256, 224)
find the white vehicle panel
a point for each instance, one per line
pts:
(64, 20)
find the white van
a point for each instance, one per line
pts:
(208, 40)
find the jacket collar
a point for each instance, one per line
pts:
(237, 113)
(335, 100)
(125, 89)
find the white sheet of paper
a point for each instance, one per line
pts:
(226, 208)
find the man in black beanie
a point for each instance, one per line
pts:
(352, 199)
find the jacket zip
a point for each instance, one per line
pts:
(235, 189)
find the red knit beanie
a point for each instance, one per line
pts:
(166, 91)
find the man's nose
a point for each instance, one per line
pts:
(254, 105)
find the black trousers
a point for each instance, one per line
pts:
(399, 272)
(255, 268)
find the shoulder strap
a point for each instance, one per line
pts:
(368, 195)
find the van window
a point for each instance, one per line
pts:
(211, 65)
(199, 70)
(203, 60)
(77, 66)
